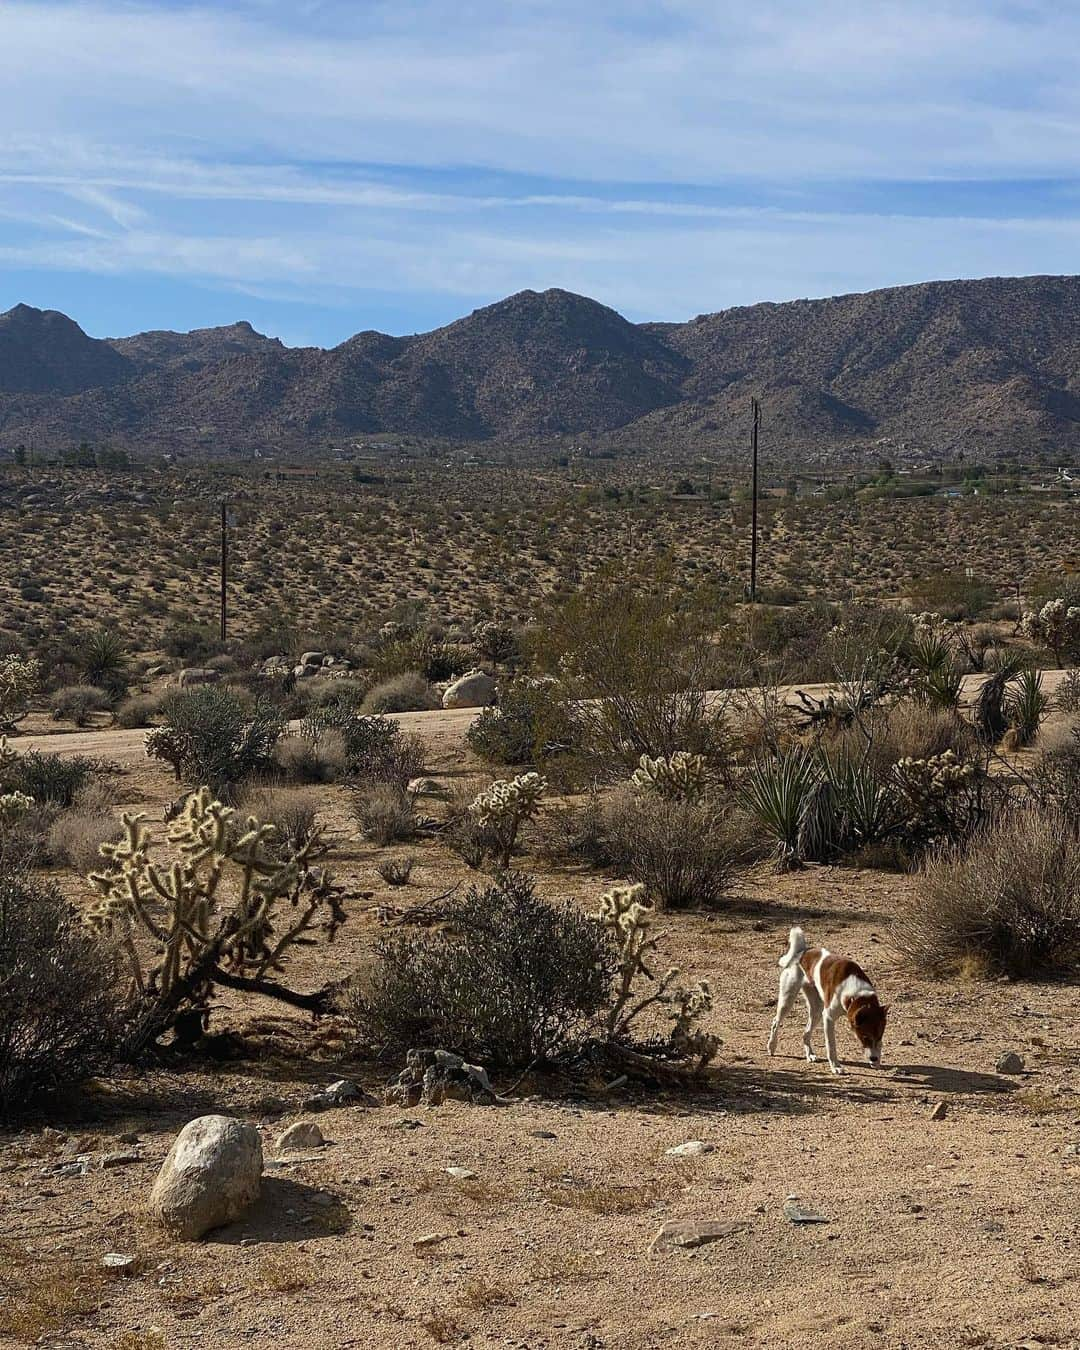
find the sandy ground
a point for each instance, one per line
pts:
(962, 1231)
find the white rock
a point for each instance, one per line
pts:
(693, 1148)
(461, 1173)
(475, 689)
(303, 1134)
(212, 1175)
(312, 658)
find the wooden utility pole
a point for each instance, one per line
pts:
(755, 421)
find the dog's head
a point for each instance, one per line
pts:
(868, 1018)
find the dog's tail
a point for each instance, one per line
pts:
(796, 947)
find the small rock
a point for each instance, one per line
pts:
(431, 1240)
(461, 1173)
(128, 1137)
(341, 1093)
(798, 1214)
(119, 1160)
(693, 1148)
(303, 1134)
(542, 1134)
(1010, 1062)
(939, 1111)
(120, 1263)
(694, 1232)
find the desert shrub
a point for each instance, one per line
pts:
(76, 702)
(512, 981)
(76, 836)
(419, 652)
(531, 724)
(634, 655)
(907, 730)
(953, 595)
(684, 852)
(316, 758)
(293, 813)
(59, 1012)
(573, 832)
(407, 692)
(20, 680)
(396, 871)
(1067, 698)
(1055, 777)
(1008, 904)
(495, 642)
(212, 736)
(138, 711)
(385, 812)
(375, 748)
(48, 779)
(193, 644)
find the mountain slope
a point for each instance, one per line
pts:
(989, 365)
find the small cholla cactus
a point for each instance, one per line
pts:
(935, 790)
(504, 807)
(164, 744)
(7, 755)
(494, 640)
(681, 776)
(20, 678)
(13, 805)
(1057, 626)
(628, 915)
(224, 908)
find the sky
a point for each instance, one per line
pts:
(320, 167)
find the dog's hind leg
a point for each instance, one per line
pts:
(791, 981)
(814, 1008)
(830, 1044)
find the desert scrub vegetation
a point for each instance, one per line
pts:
(531, 724)
(215, 737)
(408, 692)
(1007, 902)
(60, 1014)
(77, 703)
(221, 904)
(20, 679)
(516, 982)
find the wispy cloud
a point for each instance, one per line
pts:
(669, 156)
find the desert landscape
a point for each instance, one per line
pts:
(539, 675)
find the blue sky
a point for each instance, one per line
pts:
(320, 168)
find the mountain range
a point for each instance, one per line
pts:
(987, 367)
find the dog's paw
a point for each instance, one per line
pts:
(836, 1068)
(811, 1058)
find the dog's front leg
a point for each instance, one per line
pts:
(830, 1042)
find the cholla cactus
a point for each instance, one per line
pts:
(936, 790)
(13, 805)
(681, 776)
(20, 678)
(494, 640)
(223, 909)
(505, 806)
(7, 755)
(164, 744)
(626, 913)
(1057, 626)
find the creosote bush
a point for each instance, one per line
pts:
(77, 702)
(215, 737)
(385, 812)
(512, 981)
(1006, 904)
(408, 692)
(60, 1009)
(531, 724)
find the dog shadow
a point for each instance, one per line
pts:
(939, 1078)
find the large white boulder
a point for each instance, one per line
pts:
(474, 689)
(212, 1175)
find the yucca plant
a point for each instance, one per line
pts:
(781, 793)
(102, 661)
(866, 808)
(1026, 708)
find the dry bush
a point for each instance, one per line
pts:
(385, 813)
(293, 813)
(75, 837)
(685, 853)
(1008, 904)
(1067, 698)
(312, 759)
(77, 703)
(511, 981)
(138, 711)
(907, 730)
(41, 1295)
(60, 1010)
(1055, 777)
(396, 871)
(408, 692)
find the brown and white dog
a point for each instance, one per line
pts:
(833, 986)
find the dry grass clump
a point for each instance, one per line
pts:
(75, 837)
(293, 812)
(1008, 904)
(408, 692)
(40, 1294)
(77, 703)
(385, 813)
(909, 730)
